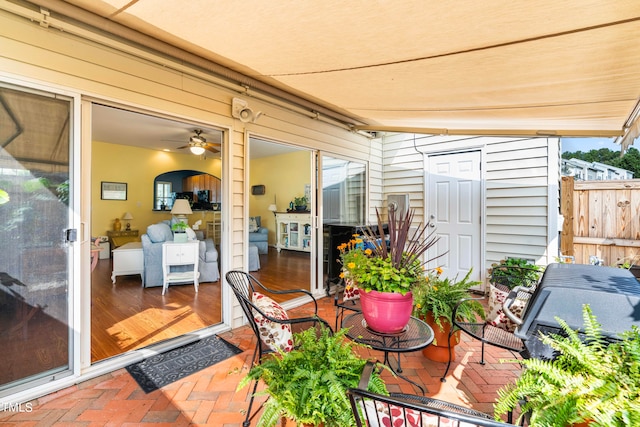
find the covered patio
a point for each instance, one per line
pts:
(209, 397)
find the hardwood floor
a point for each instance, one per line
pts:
(126, 316)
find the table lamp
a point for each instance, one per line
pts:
(272, 207)
(181, 209)
(127, 217)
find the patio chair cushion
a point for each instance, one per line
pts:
(350, 291)
(395, 416)
(496, 316)
(275, 335)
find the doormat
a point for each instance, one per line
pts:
(162, 369)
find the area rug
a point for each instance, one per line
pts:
(165, 368)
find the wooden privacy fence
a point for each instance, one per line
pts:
(601, 218)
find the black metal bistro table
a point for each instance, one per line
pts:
(416, 336)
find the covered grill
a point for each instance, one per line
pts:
(613, 294)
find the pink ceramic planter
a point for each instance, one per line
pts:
(386, 312)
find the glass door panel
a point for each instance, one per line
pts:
(343, 206)
(35, 134)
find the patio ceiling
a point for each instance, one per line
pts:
(539, 67)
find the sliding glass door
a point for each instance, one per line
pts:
(35, 233)
(344, 201)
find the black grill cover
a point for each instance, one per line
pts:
(613, 294)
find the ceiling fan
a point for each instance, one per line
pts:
(198, 144)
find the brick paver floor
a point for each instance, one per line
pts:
(209, 397)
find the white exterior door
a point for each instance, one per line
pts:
(454, 208)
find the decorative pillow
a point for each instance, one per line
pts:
(276, 335)
(253, 224)
(160, 232)
(350, 290)
(496, 316)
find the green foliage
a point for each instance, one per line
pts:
(179, 226)
(589, 380)
(440, 296)
(36, 184)
(629, 161)
(4, 197)
(388, 266)
(512, 272)
(300, 201)
(63, 192)
(309, 384)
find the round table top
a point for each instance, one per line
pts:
(417, 335)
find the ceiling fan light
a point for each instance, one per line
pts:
(196, 149)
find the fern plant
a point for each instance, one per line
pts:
(439, 296)
(589, 380)
(512, 272)
(309, 384)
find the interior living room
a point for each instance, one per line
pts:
(129, 309)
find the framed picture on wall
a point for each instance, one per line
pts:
(307, 192)
(113, 190)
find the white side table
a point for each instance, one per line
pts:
(180, 254)
(128, 259)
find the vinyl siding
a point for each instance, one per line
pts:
(520, 195)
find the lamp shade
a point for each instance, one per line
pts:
(272, 207)
(127, 216)
(181, 207)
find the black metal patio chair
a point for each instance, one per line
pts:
(341, 304)
(371, 409)
(244, 286)
(524, 281)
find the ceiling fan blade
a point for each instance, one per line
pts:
(184, 146)
(211, 149)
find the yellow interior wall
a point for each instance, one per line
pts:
(284, 177)
(138, 167)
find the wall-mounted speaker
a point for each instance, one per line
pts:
(240, 110)
(257, 190)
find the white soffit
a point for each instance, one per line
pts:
(572, 67)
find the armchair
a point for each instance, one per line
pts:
(258, 235)
(152, 251)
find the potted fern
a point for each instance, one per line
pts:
(590, 382)
(308, 385)
(435, 297)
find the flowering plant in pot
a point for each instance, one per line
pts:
(386, 270)
(435, 297)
